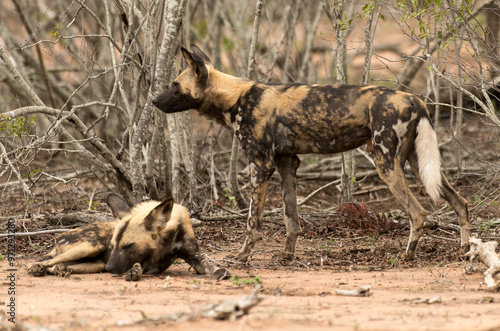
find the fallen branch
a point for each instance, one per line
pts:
(20, 234)
(228, 309)
(485, 252)
(436, 299)
(360, 292)
(79, 217)
(317, 191)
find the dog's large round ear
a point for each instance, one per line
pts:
(157, 218)
(197, 51)
(119, 208)
(196, 64)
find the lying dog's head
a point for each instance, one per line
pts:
(187, 91)
(138, 233)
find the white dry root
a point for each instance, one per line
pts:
(485, 252)
(360, 292)
(228, 309)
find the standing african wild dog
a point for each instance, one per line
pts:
(145, 239)
(274, 123)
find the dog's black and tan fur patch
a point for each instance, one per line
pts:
(274, 123)
(145, 239)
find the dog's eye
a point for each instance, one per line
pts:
(128, 246)
(175, 85)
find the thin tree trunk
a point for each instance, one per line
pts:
(369, 32)
(175, 156)
(233, 174)
(313, 16)
(460, 102)
(289, 40)
(253, 46)
(213, 182)
(173, 15)
(492, 30)
(188, 154)
(348, 160)
(436, 83)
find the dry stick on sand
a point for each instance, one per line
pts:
(360, 292)
(228, 309)
(485, 252)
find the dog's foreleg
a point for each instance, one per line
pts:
(260, 174)
(204, 266)
(191, 254)
(287, 168)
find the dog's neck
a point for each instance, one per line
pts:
(225, 90)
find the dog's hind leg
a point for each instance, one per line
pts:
(38, 269)
(75, 253)
(48, 256)
(64, 269)
(287, 167)
(260, 173)
(457, 202)
(393, 175)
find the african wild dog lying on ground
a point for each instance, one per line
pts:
(145, 239)
(274, 123)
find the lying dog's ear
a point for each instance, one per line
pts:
(118, 206)
(158, 217)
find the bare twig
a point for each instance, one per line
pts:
(312, 194)
(34, 233)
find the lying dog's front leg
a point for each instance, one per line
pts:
(191, 254)
(261, 172)
(203, 266)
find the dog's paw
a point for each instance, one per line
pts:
(283, 256)
(60, 270)
(241, 257)
(134, 274)
(407, 256)
(37, 270)
(221, 274)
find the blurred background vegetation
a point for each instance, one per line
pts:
(77, 79)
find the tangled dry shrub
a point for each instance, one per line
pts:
(351, 220)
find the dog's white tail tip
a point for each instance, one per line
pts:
(429, 159)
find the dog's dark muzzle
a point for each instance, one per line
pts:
(156, 102)
(170, 102)
(110, 268)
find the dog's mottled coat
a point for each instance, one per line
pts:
(275, 122)
(147, 238)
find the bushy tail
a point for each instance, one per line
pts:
(429, 159)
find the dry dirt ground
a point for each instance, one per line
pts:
(294, 299)
(298, 295)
